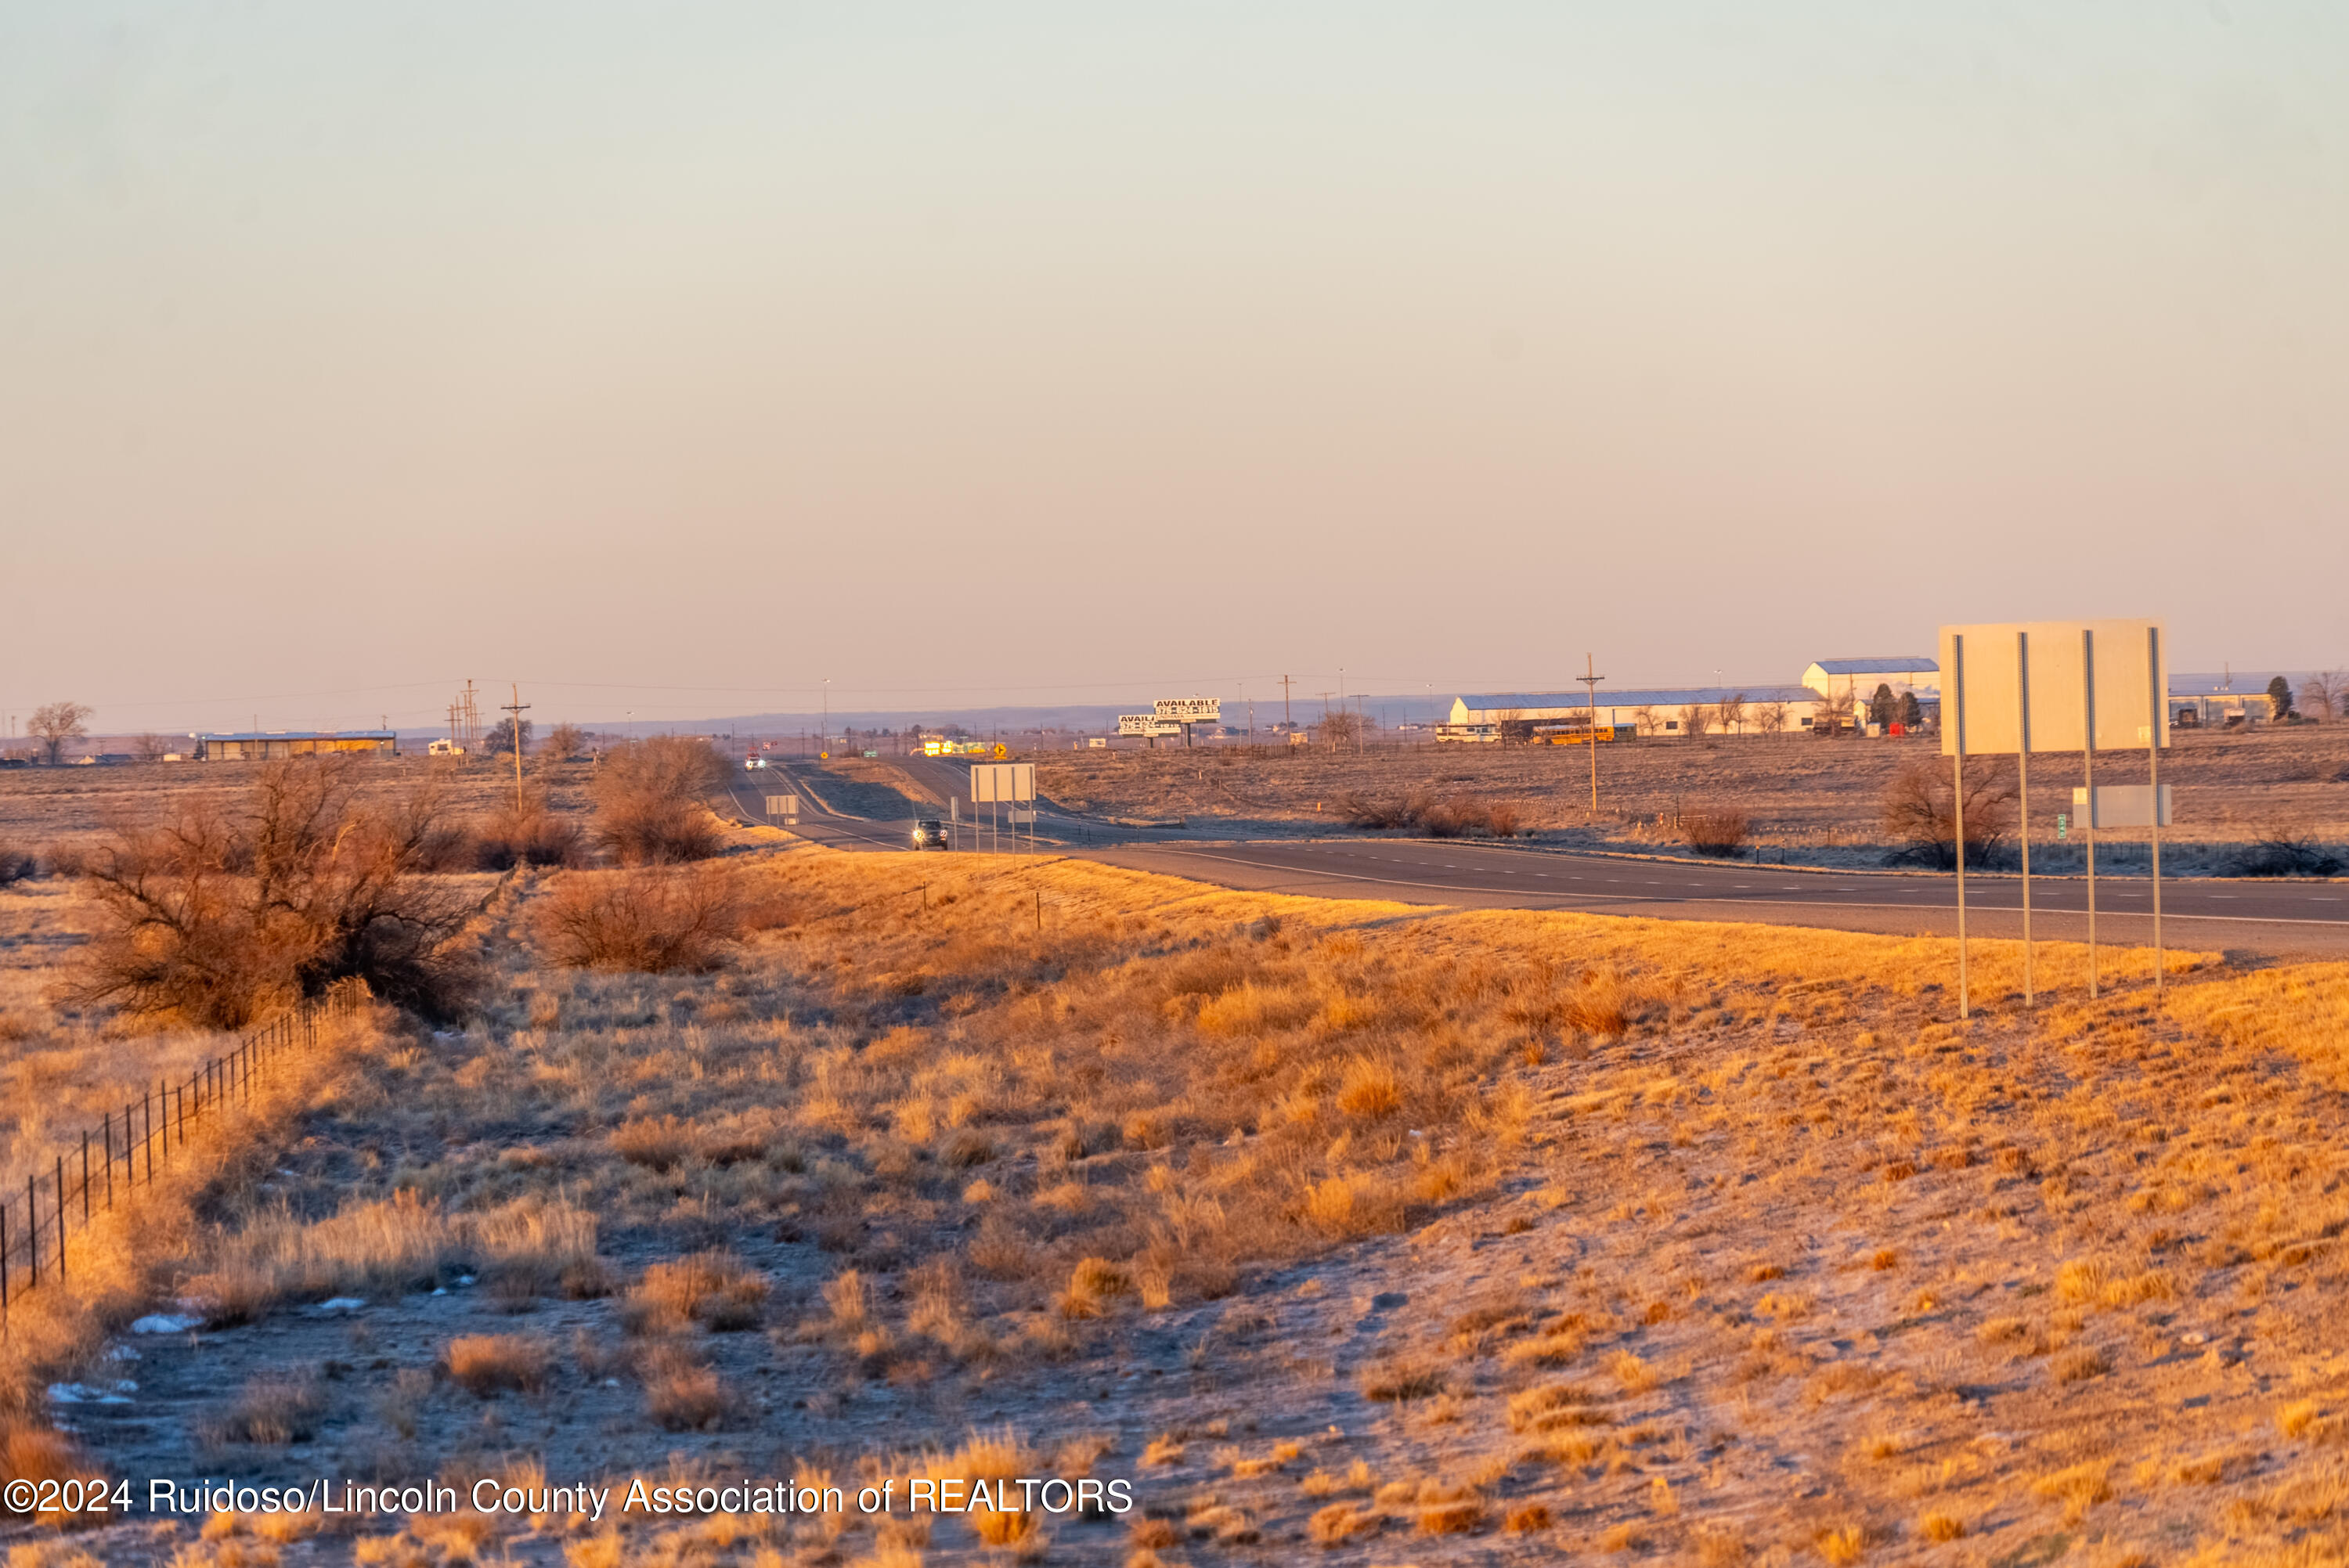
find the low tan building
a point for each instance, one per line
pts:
(259, 745)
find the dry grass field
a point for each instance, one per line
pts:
(1812, 800)
(1341, 1231)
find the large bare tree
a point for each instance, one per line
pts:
(54, 724)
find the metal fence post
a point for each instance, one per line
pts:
(32, 1236)
(85, 1178)
(109, 1162)
(61, 1219)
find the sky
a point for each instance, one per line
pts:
(676, 359)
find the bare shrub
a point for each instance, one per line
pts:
(274, 1410)
(1458, 817)
(1720, 834)
(682, 1392)
(530, 833)
(16, 865)
(714, 1288)
(563, 742)
(1770, 717)
(215, 919)
(1696, 718)
(487, 1364)
(2285, 853)
(655, 919)
(1361, 811)
(648, 805)
(1920, 816)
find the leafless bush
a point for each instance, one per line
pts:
(1696, 718)
(16, 865)
(563, 742)
(217, 917)
(1459, 817)
(529, 834)
(1361, 811)
(1730, 711)
(1719, 834)
(150, 748)
(1770, 717)
(2285, 853)
(1343, 728)
(1919, 814)
(648, 808)
(653, 920)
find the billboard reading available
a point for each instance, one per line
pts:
(1190, 710)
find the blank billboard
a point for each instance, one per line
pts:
(1982, 676)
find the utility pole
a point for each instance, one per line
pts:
(826, 736)
(1286, 722)
(516, 707)
(1590, 677)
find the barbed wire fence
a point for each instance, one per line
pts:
(130, 1149)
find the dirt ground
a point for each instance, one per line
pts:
(1339, 1232)
(54, 810)
(1816, 801)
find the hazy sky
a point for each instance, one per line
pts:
(674, 357)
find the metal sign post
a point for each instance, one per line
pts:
(2154, 732)
(1958, 808)
(2023, 788)
(2088, 778)
(1012, 783)
(2092, 709)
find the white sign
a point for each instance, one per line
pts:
(2123, 805)
(1147, 724)
(782, 805)
(1190, 710)
(1985, 670)
(1002, 781)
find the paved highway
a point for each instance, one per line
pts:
(2281, 920)
(2297, 920)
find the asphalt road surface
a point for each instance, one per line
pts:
(2281, 920)
(2292, 920)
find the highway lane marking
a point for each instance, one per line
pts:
(1744, 904)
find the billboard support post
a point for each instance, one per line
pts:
(2088, 777)
(2153, 776)
(2063, 710)
(1958, 814)
(2023, 788)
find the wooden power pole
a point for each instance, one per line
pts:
(1590, 677)
(516, 707)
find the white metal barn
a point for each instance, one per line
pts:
(1657, 711)
(1858, 679)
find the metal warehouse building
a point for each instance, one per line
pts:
(1858, 679)
(1662, 710)
(254, 746)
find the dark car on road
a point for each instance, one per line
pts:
(929, 833)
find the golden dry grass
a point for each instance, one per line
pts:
(1730, 1194)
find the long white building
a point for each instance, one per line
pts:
(1658, 711)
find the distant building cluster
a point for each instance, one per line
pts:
(1886, 694)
